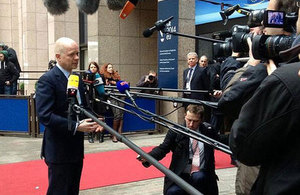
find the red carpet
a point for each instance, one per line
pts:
(100, 169)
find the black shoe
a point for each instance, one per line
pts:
(101, 138)
(91, 140)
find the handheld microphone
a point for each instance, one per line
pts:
(99, 85)
(88, 6)
(159, 25)
(127, 9)
(56, 7)
(123, 87)
(72, 87)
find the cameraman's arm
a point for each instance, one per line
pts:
(142, 82)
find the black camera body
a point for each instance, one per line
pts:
(263, 46)
(151, 77)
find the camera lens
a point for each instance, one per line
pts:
(151, 77)
(268, 47)
(222, 49)
(239, 41)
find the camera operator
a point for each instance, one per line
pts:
(266, 132)
(149, 80)
(238, 90)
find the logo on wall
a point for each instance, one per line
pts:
(169, 28)
(255, 1)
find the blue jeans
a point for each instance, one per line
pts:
(14, 88)
(5, 89)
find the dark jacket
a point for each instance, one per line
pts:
(142, 83)
(59, 144)
(199, 81)
(267, 133)
(8, 72)
(179, 145)
(12, 56)
(240, 88)
(228, 67)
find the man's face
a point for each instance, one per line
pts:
(192, 120)
(69, 58)
(192, 60)
(1, 57)
(203, 62)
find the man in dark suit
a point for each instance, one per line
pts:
(62, 149)
(195, 78)
(192, 160)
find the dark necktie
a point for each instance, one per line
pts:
(189, 75)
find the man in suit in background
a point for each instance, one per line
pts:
(194, 78)
(62, 149)
(192, 160)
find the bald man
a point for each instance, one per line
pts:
(62, 148)
(203, 61)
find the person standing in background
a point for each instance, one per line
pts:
(111, 77)
(203, 61)
(8, 74)
(12, 57)
(94, 69)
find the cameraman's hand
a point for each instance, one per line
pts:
(217, 94)
(257, 30)
(252, 61)
(275, 31)
(270, 66)
(147, 79)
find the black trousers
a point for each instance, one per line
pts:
(203, 181)
(64, 178)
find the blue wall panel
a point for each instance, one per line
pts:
(14, 115)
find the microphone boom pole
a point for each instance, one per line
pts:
(172, 99)
(193, 37)
(200, 137)
(161, 89)
(179, 181)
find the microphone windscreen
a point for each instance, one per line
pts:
(116, 4)
(147, 33)
(72, 87)
(88, 6)
(99, 85)
(122, 86)
(56, 7)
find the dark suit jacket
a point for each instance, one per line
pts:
(200, 81)
(59, 144)
(179, 145)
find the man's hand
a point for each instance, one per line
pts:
(87, 125)
(100, 128)
(141, 159)
(217, 94)
(7, 82)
